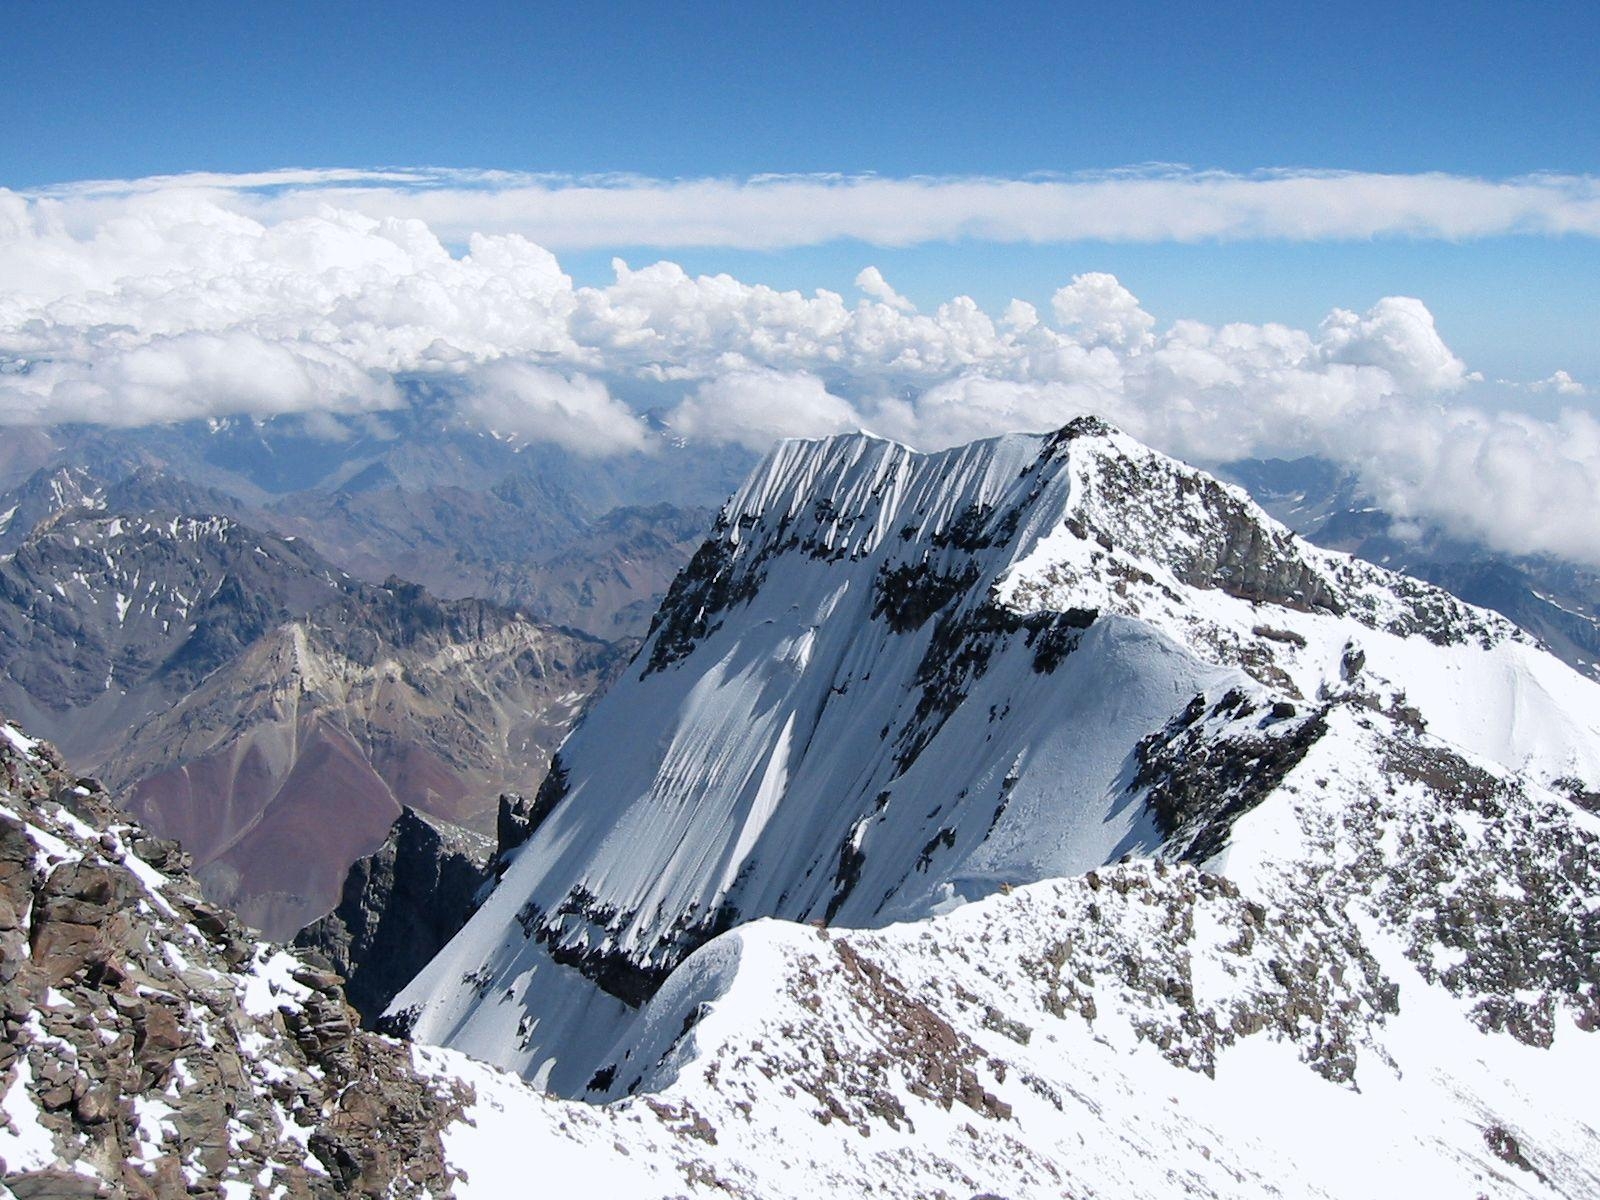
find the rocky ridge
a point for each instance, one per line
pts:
(1556, 600)
(399, 907)
(151, 1047)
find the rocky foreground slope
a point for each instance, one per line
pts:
(152, 1048)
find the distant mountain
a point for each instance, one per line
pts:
(415, 493)
(522, 542)
(106, 619)
(1556, 600)
(265, 708)
(129, 487)
(43, 495)
(609, 579)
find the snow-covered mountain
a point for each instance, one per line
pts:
(943, 696)
(1118, 843)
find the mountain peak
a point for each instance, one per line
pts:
(890, 683)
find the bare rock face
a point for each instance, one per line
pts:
(149, 1047)
(400, 905)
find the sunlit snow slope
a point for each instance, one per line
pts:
(891, 683)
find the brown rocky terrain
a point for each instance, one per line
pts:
(150, 1047)
(267, 710)
(282, 769)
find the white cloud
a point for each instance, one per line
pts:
(1398, 336)
(1522, 484)
(1101, 312)
(1560, 384)
(873, 284)
(753, 408)
(140, 303)
(541, 405)
(770, 212)
(189, 375)
(973, 406)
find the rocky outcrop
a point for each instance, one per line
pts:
(400, 905)
(150, 1047)
(1556, 600)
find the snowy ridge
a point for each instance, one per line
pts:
(1142, 1028)
(1326, 1020)
(893, 683)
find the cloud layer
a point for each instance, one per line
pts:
(1152, 204)
(164, 300)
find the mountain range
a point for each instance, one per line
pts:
(1036, 818)
(211, 614)
(252, 700)
(413, 493)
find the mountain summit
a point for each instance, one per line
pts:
(891, 684)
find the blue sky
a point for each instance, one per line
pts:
(102, 89)
(687, 91)
(673, 91)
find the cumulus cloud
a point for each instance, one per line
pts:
(872, 283)
(542, 405)
(753, 408)
(1101, 312)
(198, 297)
(1398, 336)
